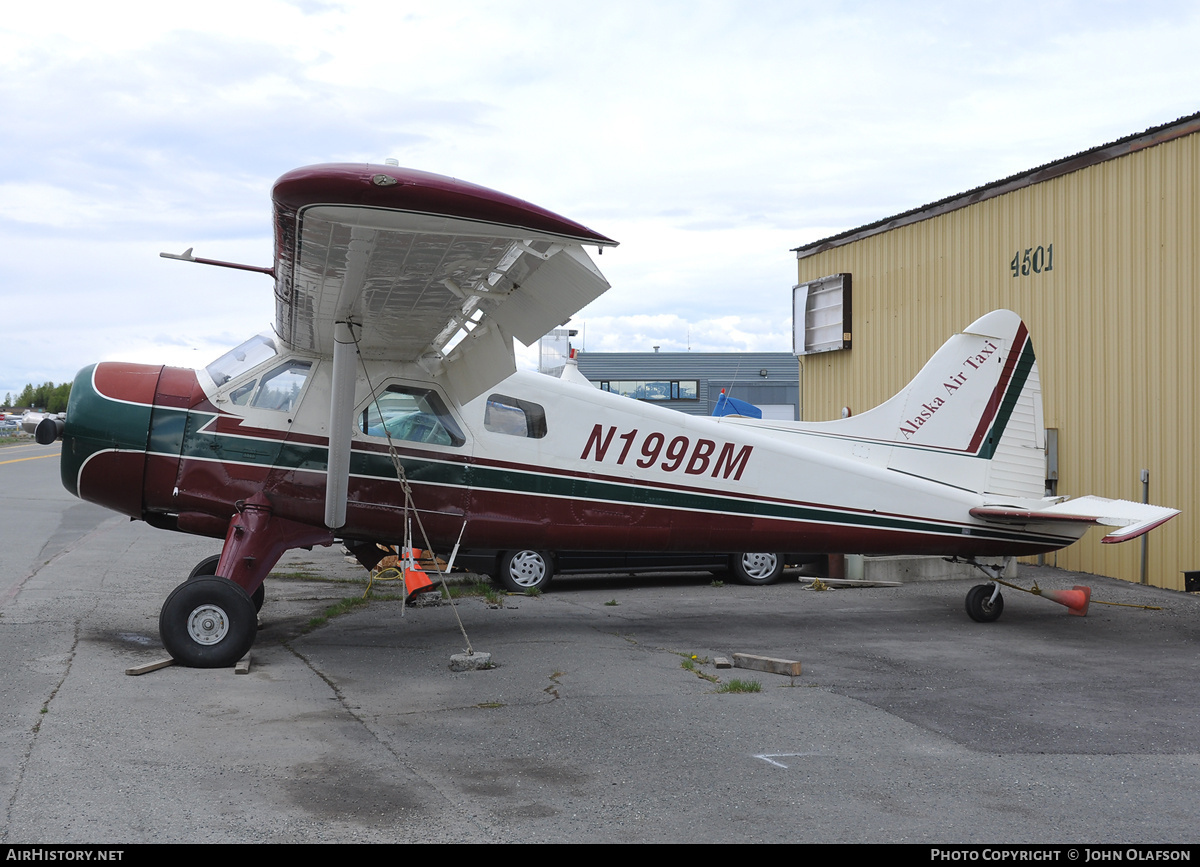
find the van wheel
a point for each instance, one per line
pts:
(525, 570)
(756, 568)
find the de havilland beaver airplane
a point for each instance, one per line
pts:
(388, 392)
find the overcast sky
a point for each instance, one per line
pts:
(708, 138)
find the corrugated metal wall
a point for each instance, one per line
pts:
(1114, 321)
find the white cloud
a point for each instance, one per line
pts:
(708, 138)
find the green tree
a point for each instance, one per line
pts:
(57, 402)
(47, 396)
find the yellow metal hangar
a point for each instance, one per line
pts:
(1097, 252)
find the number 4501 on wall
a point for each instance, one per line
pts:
(1034, 260)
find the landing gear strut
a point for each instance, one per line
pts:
(208, 566)
(210, 620)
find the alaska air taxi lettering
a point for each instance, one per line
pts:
(975, 361)
(909, 428)
(382, 273)
(726, 463)
(978, 360)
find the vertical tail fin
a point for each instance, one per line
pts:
(972, 417)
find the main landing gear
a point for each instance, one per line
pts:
(210, 620)
(208, 566)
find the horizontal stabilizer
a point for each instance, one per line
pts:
(1132, 519)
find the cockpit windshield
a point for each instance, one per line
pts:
(250, 354)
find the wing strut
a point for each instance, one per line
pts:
(341, 424)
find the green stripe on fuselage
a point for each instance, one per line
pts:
(375, 465)
(96, 423)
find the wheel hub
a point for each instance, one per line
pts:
(758, 565)
(208, 624)
(527, 570)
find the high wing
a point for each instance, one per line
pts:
(426, 268)
(404, 266)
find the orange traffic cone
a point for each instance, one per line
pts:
(415, 579)
(1076, 599)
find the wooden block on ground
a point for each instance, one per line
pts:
(785, 667)
(149, 667)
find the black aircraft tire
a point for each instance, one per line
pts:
(759, 569)
(208, 622)
(522, 571)
(980, 606)
(208, 566)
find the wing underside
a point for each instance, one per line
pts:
(443, 287)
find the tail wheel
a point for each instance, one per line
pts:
(756, 568)
(208, 566)
(208, 622)
(981, 607)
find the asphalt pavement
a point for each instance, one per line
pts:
(909, 723)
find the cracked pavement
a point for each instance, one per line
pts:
(910, 723)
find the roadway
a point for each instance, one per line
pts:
(910, 723)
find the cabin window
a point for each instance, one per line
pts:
(278, 389)
(515, 417)
(415, 415)
(250, 354)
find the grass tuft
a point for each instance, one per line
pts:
(736, 685)
(475, 588)
(338, 608)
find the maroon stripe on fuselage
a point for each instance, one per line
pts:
(232, 425)
(112, 479)
(235, 425)
(133, 383)
(993, 405)
(501, 519)
(178, 388)
(626, 481)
